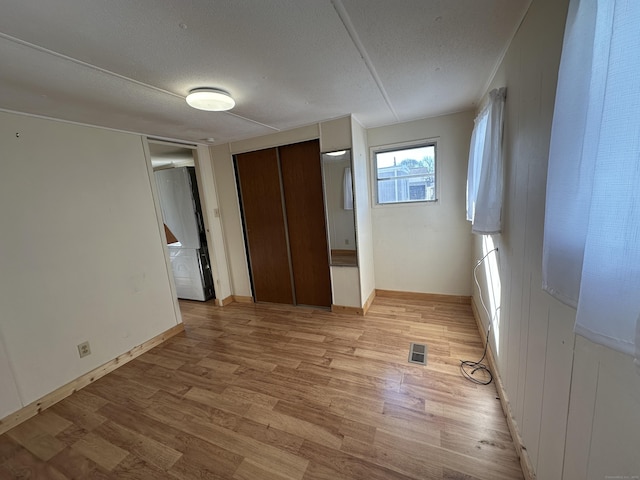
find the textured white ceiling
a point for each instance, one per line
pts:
(129, 64)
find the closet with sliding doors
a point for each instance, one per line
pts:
(282, 203)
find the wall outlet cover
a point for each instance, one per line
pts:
(84, 349)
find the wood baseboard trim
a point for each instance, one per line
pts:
(343, 252)
(367, 304)
(221, 302)
(34, 408)
(428, 297)
(347, 310)
(525, 461)
(242, 299)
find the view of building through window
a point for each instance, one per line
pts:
(406, 174)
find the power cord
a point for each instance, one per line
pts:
(468, 368)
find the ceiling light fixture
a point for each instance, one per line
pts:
(210, 99)
(337, 154)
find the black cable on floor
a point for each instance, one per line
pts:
(469, 368)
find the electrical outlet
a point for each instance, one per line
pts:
(84, 349)
(346, 241)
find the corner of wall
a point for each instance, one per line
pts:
(362, 204)
(224, 178)
(213, 223)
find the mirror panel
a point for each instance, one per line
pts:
(338, 195)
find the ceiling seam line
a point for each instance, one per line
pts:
(252, 121)
(85, 64)
(113, 74)
(91, 125)
(348, 25)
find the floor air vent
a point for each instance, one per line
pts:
(418, 353)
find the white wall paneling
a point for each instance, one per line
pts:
(577, 410)
(535, 340)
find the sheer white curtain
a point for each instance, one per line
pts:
(484, 175)
(591, 255)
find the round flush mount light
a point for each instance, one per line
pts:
(210, 99)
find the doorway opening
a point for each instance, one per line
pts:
(177, 186)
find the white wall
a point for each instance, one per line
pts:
(82, 255)
(426, 247)
(335, 134)
(213, 223)
(362, 205)
(576, 404)
(9, 396)
(225, 181)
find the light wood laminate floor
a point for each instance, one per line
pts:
(262, 392)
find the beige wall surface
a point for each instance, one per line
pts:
(425, 247)
(576, 404)
(286, 137)
(225, 182)
(213, 223)
(9, 396)
(362, 204)
(345, 286)
(82, 256)
(335, 134)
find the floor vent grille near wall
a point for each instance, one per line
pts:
(418, 353)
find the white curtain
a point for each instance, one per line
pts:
(484, 175)
(348, 189)
(591, 255)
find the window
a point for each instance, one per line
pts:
(406, 174)
(484, 177)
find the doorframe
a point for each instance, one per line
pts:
(213, 224)
(160, 222)
(211, 216)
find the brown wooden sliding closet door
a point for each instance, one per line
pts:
(261, 193)
(302, 182)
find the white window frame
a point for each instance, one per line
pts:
(427, 142)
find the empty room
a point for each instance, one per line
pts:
(320, 239)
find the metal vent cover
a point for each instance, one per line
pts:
(418, 353)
